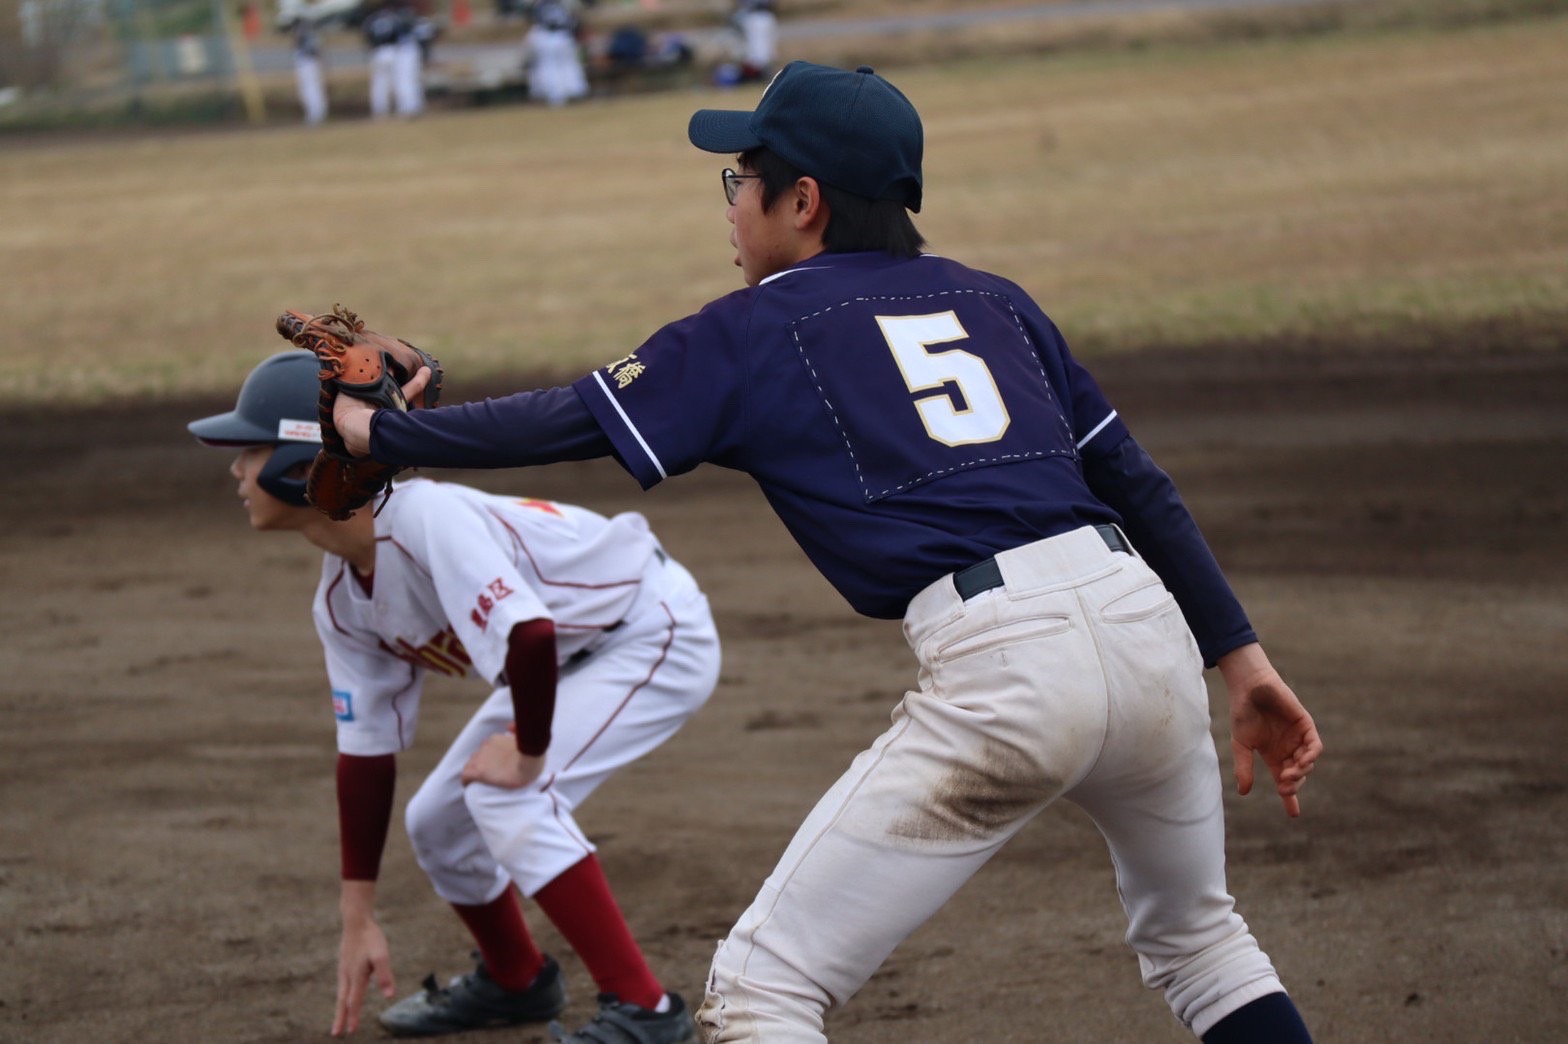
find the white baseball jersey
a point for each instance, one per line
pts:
(456, 568)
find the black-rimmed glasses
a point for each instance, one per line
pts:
(732, 182)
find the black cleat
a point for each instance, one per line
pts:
(475, 1001)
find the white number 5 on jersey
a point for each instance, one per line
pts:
(984, 418)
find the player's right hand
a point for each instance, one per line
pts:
(362, 955)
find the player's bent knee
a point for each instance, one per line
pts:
(427, 820)
(512, 815)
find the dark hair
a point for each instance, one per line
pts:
(855, 223)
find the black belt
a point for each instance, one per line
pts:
(582, 654)
(987, 575)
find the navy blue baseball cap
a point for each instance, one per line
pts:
(851, 130)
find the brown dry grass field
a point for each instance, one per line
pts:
(1334, 187)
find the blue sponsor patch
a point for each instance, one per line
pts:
(343, 705)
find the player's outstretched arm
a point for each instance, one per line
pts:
(363, 954)
(351, 416)
(1268, 720)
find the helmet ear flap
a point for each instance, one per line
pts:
(275, 475)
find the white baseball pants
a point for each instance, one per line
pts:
(312, 88)
(626, 698)
(408, 77)
(383, 77)
(1078, 678)
(555, 73)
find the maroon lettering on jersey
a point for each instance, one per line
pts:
(443, 653)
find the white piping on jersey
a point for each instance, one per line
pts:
(810, 268)
(1097, 428)
(789, 271)
(522, 545)
(664, 653)
(629, 425)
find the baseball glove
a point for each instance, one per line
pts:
(366, 365)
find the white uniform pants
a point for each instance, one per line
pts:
(1078, 678)
(555, 71)
(409, 78)
(383, 74)
(626, 698)
(312, 90)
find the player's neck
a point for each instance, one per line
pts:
(353, 540)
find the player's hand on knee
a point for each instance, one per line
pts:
(1268, 720)
(499, 763)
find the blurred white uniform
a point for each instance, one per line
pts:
(307, 71)
(409, 72)
(555, 68)
(759, 29)
(396, 71)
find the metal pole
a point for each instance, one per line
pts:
(244, 71)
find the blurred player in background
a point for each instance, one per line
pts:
(396, 73)
(551, 56)
(759, 29)
(598, 646)
(409, 65)
(380, 30)
(307, 70)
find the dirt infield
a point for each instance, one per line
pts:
(1394, 521)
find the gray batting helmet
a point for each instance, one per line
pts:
(276, 407)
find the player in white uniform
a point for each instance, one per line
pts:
(550, 54)
(759, 30)
(307, 71)
(409, 66)
(609, 648)
(396, 70)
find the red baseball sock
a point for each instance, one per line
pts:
(511, 957)
(580, 905)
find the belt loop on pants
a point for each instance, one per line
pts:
(987, 575)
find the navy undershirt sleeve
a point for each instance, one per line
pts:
(535, 427)
(1162, 529)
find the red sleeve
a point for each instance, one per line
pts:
(531, 672)
(365, 787)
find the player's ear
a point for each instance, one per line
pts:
(809, 207)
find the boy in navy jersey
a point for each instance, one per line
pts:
(923, 432)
